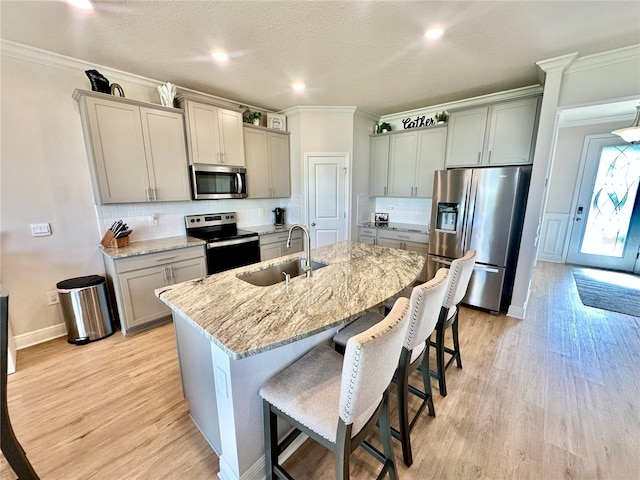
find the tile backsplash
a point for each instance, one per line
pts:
(405, 210)
(170, 215)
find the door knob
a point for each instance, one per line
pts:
(313, 224)
(578, 219)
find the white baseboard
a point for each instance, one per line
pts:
(516, 312)
(38, 336)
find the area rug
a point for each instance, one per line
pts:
(613, 291)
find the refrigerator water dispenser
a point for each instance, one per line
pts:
(447, 218)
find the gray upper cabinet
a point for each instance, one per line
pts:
(406, 168)
(214, 134)
(137, 151)
(500, 134)
(379, 165)
(268, 163)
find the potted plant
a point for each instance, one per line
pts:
(254, 117)
(384, 127)
(441, 117)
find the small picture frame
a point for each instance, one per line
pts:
(275, 121)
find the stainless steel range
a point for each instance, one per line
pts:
(227, 246)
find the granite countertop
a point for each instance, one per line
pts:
(245, 320)
(400, 227)
(267, 229)
(152, 246)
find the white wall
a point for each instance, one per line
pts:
(316, 130)
(44, 178)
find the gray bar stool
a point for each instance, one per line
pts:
(424, 307)
(459, 276)
(337, 401)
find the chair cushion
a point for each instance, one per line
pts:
(359, 325)
(309, 391)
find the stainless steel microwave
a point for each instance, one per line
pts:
(213, 182)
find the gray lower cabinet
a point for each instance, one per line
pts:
(134, 280)
(274, 245)
(416, 242)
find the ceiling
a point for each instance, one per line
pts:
(370, 54)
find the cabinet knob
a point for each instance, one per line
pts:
(313, 224)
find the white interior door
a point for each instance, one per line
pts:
(327, 174)
(606, 222)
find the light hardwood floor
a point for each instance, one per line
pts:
(554, 396)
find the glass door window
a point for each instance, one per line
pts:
(606, 228)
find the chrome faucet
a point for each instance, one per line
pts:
(307, 267)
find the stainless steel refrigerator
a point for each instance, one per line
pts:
(480, 209)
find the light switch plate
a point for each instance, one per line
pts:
(40, 229)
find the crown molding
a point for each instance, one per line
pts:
(318, 109)
(603, 59)
(55, 60)
(514, 94)
(557, 63)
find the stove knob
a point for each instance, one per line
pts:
(197, 220)
(192, 220)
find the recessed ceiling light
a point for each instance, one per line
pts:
(299, 86)
(433, 33)
(220, 56)
(83, 4)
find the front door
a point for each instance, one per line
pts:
(606, 223)
(327, 198)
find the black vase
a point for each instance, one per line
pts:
(99, 82)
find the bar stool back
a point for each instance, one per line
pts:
(459, 276)
(337, 401)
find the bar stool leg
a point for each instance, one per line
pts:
(456, 343)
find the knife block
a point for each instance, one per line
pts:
(119, 242)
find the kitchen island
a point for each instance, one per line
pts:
(232, 336)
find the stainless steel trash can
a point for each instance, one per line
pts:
(85, 306)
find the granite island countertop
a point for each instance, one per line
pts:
(244, 320)
(152, 246)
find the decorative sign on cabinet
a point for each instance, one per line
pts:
(403, 163)
(267, 160)
(137, 150)
(135, 278)
(214, 134)
(500, 134)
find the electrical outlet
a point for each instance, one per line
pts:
(52, 297)
(260, 212)
(153, 220)
(419, 211)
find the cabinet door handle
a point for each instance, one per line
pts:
(153, 191)
(165, 258)
(404, 236)
(170, 270)
(164, 276)
(385, 191)
(479, 153)
(489, 161)
(148, 193)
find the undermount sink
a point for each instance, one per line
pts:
(275, 273)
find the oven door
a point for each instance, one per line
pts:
(213, 182)
(230, 254)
